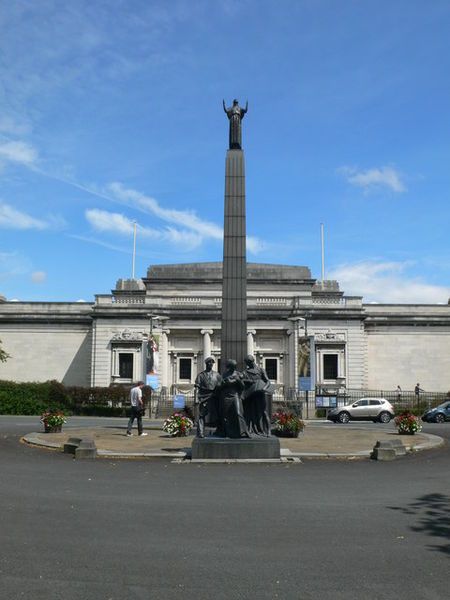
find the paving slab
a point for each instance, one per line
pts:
(317, 441)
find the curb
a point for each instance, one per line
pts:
(433, 441)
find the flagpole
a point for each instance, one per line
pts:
(323, 253)
(134, 248)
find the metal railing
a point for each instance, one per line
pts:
(304, 403)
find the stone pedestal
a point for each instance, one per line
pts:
(234, 449)
(234, 287)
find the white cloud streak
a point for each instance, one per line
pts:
(10, 218)
(371, 179)
(387, 282)
(116, 223)
(185, 218)
(18, 152)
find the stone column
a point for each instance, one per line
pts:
(206, 333)
(293, 370)
(234, 286)
(251, 341)
(164, 358)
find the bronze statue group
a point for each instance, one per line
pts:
(235, 403)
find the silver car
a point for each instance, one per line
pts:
(365, 409)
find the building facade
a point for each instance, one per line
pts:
(178, 309)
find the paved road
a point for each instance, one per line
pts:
(138, 529)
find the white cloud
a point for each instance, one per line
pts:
(10, 218)
(104, 221)
(387, 282)
(18, 152)
(184, 218)
(38, 276)
(179, 217)
(374, 178)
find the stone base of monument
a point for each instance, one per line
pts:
(212, 448)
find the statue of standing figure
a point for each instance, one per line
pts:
(231, 418)
(257, 389)
(235, 114)
(206, 385)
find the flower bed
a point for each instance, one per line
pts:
(407, 423)
(287, 424)
(178, 425)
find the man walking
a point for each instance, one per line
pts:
(137, 408)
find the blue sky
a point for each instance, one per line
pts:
(111, 112)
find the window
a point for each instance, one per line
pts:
(362, 403)
(185, 369)
(330, 366)
(375, 403)
(271, 365)
(126, 365)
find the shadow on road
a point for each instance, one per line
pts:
(433, 518)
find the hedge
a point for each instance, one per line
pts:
(35, 398)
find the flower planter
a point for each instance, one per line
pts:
(407, 433)
(52, 428)
(287, 434)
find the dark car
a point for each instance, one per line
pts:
(439, 414)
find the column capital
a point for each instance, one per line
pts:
(205, 331)
(251, 331)
(166, 331)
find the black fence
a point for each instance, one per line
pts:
(303, 404)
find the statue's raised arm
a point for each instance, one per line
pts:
(235, 115)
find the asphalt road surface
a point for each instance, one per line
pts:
(137, 529)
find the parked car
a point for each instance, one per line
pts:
(365, 409)
(439, 414)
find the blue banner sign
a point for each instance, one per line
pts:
(179, 401)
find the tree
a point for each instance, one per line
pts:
(3, 354)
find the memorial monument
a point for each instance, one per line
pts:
(240, 397)
(234, 287)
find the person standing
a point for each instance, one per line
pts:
(137, 408)
(417, 391)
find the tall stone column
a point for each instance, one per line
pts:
(164, 358)
(292, 343)
(206, 333)
(234, 287)
(251, 341)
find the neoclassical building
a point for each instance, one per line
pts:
(178, 308)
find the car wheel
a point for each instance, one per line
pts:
(343, 417)
(439, 418)
(384, 417)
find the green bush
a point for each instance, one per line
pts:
(35, 398)
(31, 398)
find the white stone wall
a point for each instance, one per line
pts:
(351, 334)
(41, 352)
(408, 355)
(103, 331)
